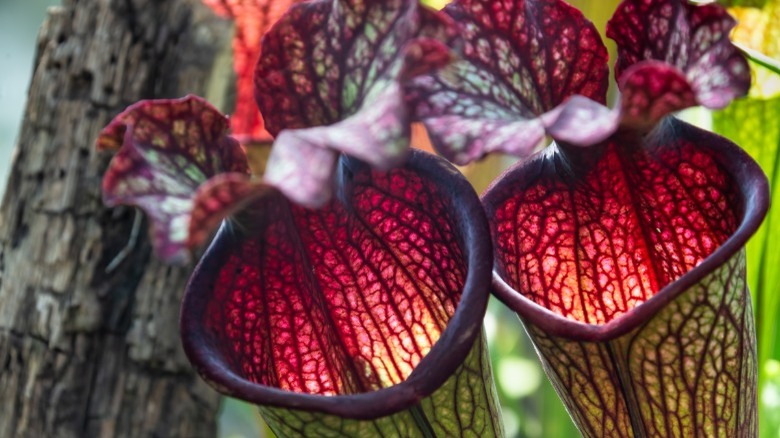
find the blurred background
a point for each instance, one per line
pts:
(19, 23)
(530, 406)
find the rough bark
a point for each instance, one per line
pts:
(85, 352)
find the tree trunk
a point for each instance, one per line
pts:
(83, 351)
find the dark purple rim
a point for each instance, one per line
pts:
(434, 369)
(754, 188)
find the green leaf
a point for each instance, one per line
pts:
(752, 123)
(759, 58)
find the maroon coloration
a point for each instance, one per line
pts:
(332, 71)
(592, 234)
(423, 56)
(521, 59)
(166, 150)
(218, 198)
(693, 39)
(335, 310)
(652, 90)
(320, 62)
(634, 243)
(625, 259)
(550, 43)
(524, 63)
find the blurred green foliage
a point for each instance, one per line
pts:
(754, 123)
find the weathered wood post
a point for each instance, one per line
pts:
(85, 352)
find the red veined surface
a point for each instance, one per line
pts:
(166, 149)
(595, 245)
(360, 317)
(693, 40)
(342, 299)
(626, 264)
(331, 81)
(325, 61)
(520, 60)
